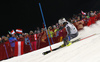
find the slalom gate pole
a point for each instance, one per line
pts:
(6, 51)
(45, 25)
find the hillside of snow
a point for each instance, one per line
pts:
(87, 50)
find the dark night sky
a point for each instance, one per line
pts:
(25, 14)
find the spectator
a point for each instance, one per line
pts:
(92, 19)
(61, 33)
(79, 25)
(16, 36)
(8, 48)
(35, 31)
(43, 35)
(12, 41)
(57, 25)
(55, 30)
(27, 44)
(23, 34)
(84, 22)
(21, 38)
(79, 16)
(91, 13)
(39, 39)
(0, 40)
(31, 37)
(83, 16)
(98, 16)
(56, 34)
(3, 39)
(74, 20)
(6, 39)
(35, 40)
(60, 26)
(50, 32)
(31, 32)
(38, 30)
(8, 36)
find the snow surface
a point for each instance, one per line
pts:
(87, 50)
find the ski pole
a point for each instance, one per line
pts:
(45, 25)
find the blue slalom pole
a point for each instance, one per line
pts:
(45, 25)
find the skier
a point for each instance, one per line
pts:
(71, 30)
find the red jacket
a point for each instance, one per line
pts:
(92, 19)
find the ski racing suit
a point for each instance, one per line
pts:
(72, 32)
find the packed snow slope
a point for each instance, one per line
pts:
(87, 50)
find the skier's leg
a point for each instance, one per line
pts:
(71, 37)
(69, 42)
(65, 40)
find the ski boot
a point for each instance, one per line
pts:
(69, 43)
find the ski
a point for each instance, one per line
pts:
(44, 53)
(79, 39)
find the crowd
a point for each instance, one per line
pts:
(27, 42)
